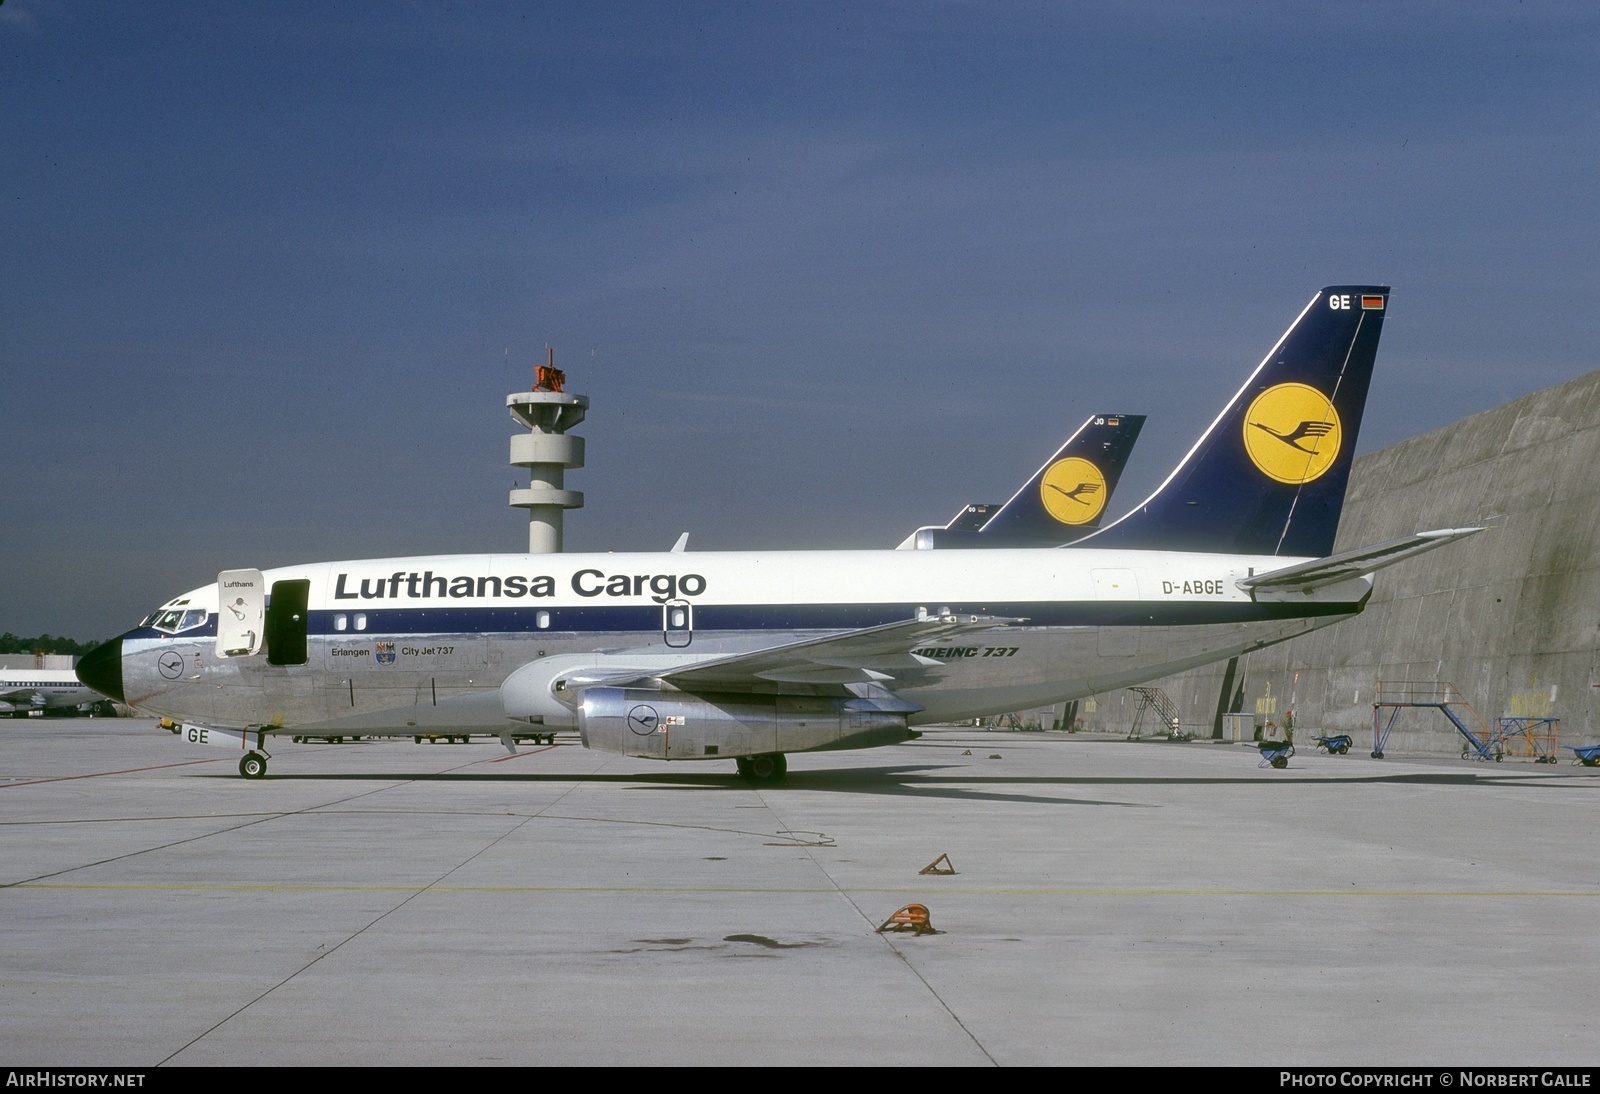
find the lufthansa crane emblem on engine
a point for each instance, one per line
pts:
(1292, 433)
(644, 720)
(1073, 490)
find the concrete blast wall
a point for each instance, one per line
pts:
(1510, 617)
(30, 661)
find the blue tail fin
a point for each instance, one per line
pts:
(1062, 502)
(1269, 476)
(1065, 499)
(973, 517)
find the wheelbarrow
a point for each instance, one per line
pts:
(1336, 745)
(1275, 754)
(1587, 755)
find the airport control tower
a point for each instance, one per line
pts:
(546, 451)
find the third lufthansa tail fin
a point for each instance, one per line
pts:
(1268, 477)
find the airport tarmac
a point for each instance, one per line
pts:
(1113, 902)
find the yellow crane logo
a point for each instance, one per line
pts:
(1073, 490)
(1292, 433)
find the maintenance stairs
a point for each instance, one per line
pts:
(1159, 701)
(1537, 737)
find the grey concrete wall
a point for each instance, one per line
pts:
(1510, 617)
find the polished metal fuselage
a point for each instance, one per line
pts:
(1091, 621)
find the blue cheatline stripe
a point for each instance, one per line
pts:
(624, 618)
(646, 618)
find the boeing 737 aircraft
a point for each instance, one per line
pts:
(1061, 503)
(25, 690)
(752, 655)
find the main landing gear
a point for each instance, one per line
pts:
(765, 767)
(254, 765)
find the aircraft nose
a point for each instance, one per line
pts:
(101, 669)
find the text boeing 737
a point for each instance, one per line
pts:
(752, 655)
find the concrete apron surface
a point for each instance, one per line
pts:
(383, 902)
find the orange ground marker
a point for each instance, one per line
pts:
(913, 918)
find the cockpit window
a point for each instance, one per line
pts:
(178, 620)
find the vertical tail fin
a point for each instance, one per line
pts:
(1065, 499)
(973, 517)
(1062, 502)
(1268, 477)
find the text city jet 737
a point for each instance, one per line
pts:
(751, 655)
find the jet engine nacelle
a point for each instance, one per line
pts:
(546, 690)
(668, 725)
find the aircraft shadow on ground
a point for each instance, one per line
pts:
(934, 781)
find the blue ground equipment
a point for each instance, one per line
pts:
(1587, 755)
(1275, 754)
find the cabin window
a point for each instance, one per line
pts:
(340, 621)
(542, 621)
(361, 621)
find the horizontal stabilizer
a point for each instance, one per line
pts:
(1309, 576)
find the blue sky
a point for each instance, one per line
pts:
(827, 271)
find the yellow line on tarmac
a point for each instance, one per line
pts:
(943, 890)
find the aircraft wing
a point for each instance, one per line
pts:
(1307, 577)
(868, 655)
(22, 696)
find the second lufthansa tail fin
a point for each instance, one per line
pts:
(1062, 502)
(1065, 499)
(1268, 477)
